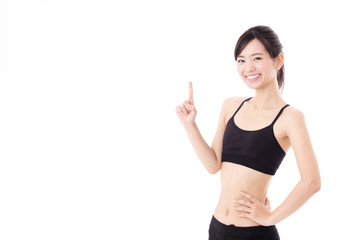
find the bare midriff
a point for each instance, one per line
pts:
(234, 179)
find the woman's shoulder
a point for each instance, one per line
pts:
(293, 116)
(230, 104)
(234, 100)
(293, 112)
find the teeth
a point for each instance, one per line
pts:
(252, 77)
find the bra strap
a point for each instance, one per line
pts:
(241, 105)
(278, 115)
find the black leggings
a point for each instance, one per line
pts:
(220, 231)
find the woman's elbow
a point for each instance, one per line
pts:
(316, 186)
(317, 183)
(214, 169)
(313, 185)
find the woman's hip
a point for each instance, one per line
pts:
(218, 230)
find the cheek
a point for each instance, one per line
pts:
(263, 67)
(240, 69)
(266, 68)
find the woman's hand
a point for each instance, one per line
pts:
(186, 111)
(252, 208)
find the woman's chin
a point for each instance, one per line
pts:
(252, 85)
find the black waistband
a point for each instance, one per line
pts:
(232, 230)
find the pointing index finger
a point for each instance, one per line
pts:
(191, 99)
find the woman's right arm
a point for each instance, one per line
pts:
(204, 152)
(210, 157)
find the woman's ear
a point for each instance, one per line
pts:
(279, 61)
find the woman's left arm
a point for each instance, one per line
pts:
(310, 181)
(308, 185)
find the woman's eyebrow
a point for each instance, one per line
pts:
(253, 54)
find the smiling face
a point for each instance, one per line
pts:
(256, 67)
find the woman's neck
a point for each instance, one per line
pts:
(267, 97)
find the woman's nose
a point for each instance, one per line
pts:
(250, 67)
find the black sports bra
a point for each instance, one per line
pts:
(256, 149)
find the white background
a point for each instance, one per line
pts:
(90, 144)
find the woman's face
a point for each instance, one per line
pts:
(255, 65)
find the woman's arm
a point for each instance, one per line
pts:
(210, 157)
(308, 185)
(204, 152)
(310, 181)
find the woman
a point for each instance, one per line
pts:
(251, 140)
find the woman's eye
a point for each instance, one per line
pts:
(257, 58)
(240, 61)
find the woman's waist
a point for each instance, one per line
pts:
(232, 190)
(225, 211)
(234, 180)
(232, 218)
(244, 232)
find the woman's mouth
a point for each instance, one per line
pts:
(253, 78)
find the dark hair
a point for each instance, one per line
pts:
(271, 42)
